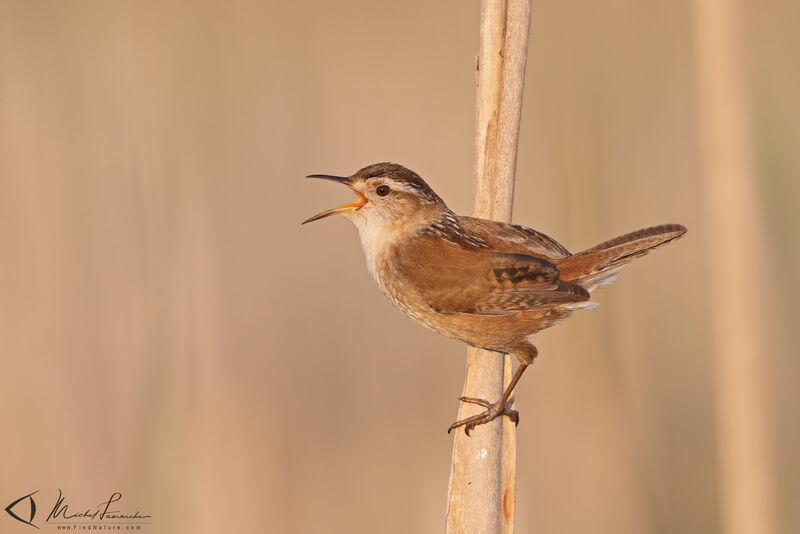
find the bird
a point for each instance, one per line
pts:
(489, 284)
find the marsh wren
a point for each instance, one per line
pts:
(487, 283)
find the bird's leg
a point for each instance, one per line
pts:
(492, 410)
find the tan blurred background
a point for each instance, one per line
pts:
(168, 330)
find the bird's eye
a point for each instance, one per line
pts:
(383, 190)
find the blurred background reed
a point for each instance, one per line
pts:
(168, 330)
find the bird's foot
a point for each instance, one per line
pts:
(492, 412)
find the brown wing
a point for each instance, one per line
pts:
(453, 279)
(513, 238)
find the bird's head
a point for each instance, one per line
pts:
(390, 198)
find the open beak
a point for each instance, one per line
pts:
(359, 202)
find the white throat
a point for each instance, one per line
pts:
(378, 239)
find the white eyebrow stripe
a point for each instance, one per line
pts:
(405, 186)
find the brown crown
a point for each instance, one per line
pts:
(398, 173)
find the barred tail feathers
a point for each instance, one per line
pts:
(597, 266)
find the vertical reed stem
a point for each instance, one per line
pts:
(735, 242)
(481, 494)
